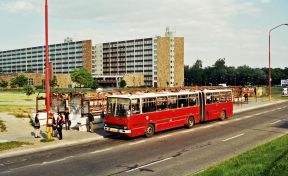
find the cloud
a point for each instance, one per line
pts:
(265, 1)
(20, 6)
(209, 27)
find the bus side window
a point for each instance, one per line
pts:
(192, 100)
(228, 96)
(148, 105)
(135, 106)
(172, 102)
(222, 97)
(161, 103)
(208, 98)
(215, 97)
(182, 101)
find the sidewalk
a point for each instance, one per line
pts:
(20, 130)
(254, 103)
(25, 133)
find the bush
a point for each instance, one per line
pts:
(19, 81)
(3, 84)
(122, 83)
(94, 84)
(29, 90)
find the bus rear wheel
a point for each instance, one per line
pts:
(190, 122)
(150, 130)
(223, 115)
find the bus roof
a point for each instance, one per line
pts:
(150, 95)
(218, 90)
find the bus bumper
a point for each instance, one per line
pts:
(115, 130)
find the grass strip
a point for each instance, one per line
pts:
(265, 160)
(12, 144)
(47, 140)
(3, 127)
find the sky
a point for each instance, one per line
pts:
(236, 30)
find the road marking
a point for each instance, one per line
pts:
(103, 150)
(258, 114)
(276, 122)
(187, 131)
(168, 135)
(55, 161)
(207, 126)
(225, 122)
(138, 142)
(155, 162)
(233, 137)
(237, 119)
(247, 117)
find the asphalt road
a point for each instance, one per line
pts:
(175, 152)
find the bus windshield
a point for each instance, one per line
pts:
(119, 107)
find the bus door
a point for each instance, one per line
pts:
(202, 106)
(212, 105)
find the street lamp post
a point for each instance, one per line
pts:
(269, 70)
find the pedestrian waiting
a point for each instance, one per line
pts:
(59, 125)
(54, 126)
(67, 119)
(89, 122)
(36, 126)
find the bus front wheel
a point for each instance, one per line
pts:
(150, 130)
(223, 115)
(190, 123)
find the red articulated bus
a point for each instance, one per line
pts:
(145, 114)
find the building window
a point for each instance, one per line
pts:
(30, 81)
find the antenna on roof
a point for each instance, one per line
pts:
(68, 40)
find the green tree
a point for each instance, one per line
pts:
(259, 77)
(187, 76)
(53, 82)
(196, 73)
(82, 77)
(94, 84)
(122, 83)
(29, 90)
(244, 75)
(3, 84)
(19, 81)
(231, 76)
(219, 72)
(276, 75)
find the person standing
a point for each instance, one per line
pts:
(246, 97)
(59, 126)
(90, 120)
(54, 126)
(36, 126)
(67, 120)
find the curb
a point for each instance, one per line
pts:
(49, 147)
(259, 106)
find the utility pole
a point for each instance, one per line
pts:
(47, 74)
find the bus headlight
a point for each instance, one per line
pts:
(105, 125)
(125, 128)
